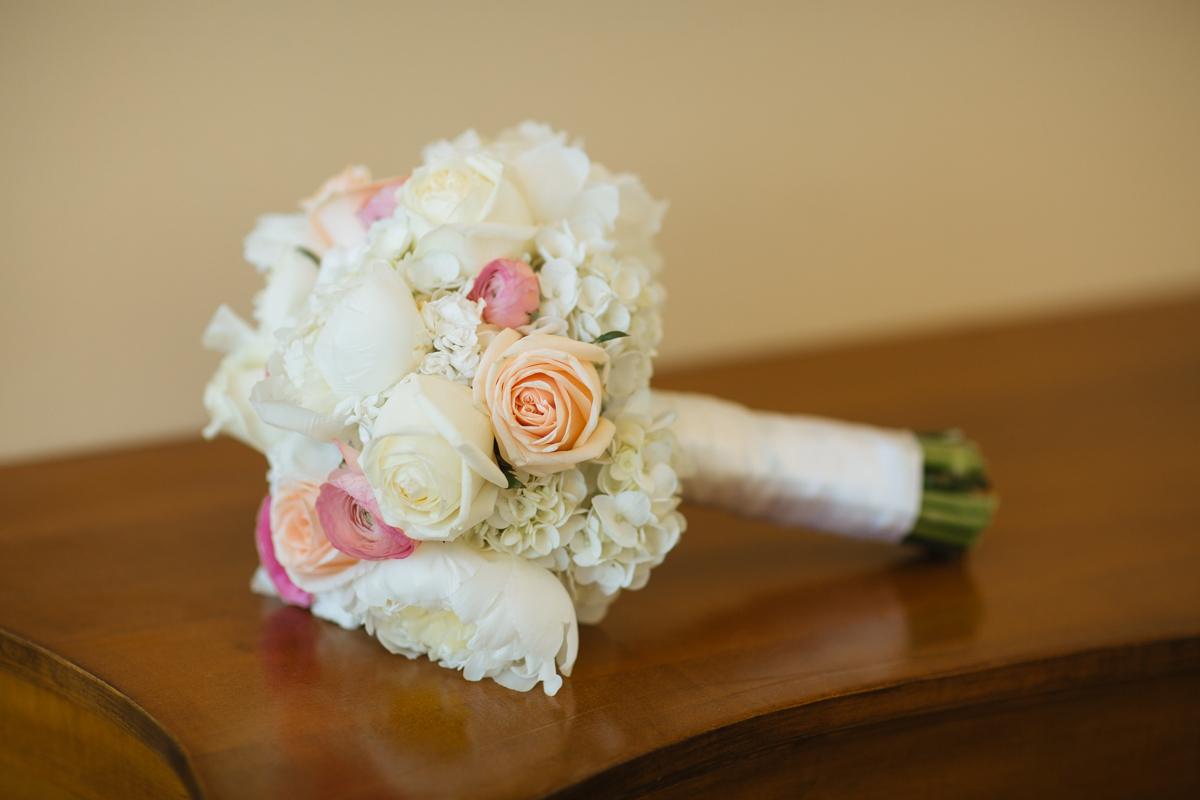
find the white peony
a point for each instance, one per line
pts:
(431, 461)
(491, 615)
(334, 605)
(372, 338)
(227, 395)
(295, 457)
(354, 342)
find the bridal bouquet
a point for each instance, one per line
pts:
(448, 373)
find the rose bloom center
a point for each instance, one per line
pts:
(534, 406)
(413, 486)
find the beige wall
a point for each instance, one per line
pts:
(835, 170)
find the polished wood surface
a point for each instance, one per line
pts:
(1062, 658)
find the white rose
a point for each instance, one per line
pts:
(465, 189)
(431, 460)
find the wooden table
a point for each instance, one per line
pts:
(1062, 659)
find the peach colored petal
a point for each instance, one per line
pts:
(544, 400)
(288, 591)
(300, 542)
(333, 212)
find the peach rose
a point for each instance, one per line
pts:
(342, 211)
(301, 547)
(543, 395)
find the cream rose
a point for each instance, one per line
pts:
(543, 395)
(465, 189)
(430, 460)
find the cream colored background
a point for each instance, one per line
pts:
(835, 170)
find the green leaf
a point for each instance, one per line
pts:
(304, 251)
(608, 337)
(506, 468)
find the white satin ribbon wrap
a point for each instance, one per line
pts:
(795, 470)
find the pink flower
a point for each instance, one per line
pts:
(350, 515)
(342, 211)
(289, 591)
(310, 559)
(380, 206)
(509, 290)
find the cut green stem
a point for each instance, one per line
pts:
(955, 510)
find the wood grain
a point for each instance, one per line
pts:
(1062, 658)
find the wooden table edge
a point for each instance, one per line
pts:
(48, 671)
(704, 752)
(906, 699)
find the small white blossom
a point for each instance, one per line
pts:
(453, 321)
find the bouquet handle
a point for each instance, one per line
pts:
(843, 478)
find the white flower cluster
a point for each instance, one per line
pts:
(453, 321)
(449, 375)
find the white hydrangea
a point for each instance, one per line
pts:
(606, 536)
(535, 521)
(453, 323)
(633, 522)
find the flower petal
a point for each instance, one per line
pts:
(370, 340)
(517, 619)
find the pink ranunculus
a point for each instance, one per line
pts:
(509, 290)
(339, 213)
(289, 591)
(350, 515)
